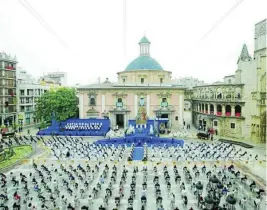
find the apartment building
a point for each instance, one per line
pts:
(8, 111)
(29, 90)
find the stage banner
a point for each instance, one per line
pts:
(141, 117)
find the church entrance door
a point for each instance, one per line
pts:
(120, 120)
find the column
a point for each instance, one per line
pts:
(198, 107)
(135, 106)
(215, 109)
(223, 110)
(125, 120)
(181, 109)
(103, 103)
(233, 110)
(81, 106)
(208, 108)
(148, 105)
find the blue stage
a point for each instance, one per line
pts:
(95, 127)
(140, 141)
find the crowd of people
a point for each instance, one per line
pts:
(201, 151)
(105, 177)
(73, 126)
(109, 186)
(66, 148)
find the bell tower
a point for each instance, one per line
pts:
(144, 47)
(260, 36)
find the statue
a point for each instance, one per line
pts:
(151, 130)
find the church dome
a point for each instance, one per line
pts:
(144, 61)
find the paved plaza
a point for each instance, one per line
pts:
(254, 169)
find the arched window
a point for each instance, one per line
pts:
(219, 110)
(211, 109)
(228, 110)
(237, 110)
(206, 108)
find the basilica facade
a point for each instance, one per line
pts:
(143, 91)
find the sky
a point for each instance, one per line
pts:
(91, 39)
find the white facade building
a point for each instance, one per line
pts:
(236, 107)
(28, 92)
(59, 78)
(189, 82)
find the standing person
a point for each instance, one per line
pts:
(211, 137)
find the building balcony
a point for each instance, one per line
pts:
(6, 94)
(228, 114)
(219, 114)
(238, 114)
(29, 95)
(9, 77)
(119, 109)
(26, 104)
(10, 68)
(11, 86)
(164, 104)
(234, 100)
(119, 104)
(9, 109)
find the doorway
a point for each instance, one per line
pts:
(120, 120)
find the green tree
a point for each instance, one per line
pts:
(62, 102)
